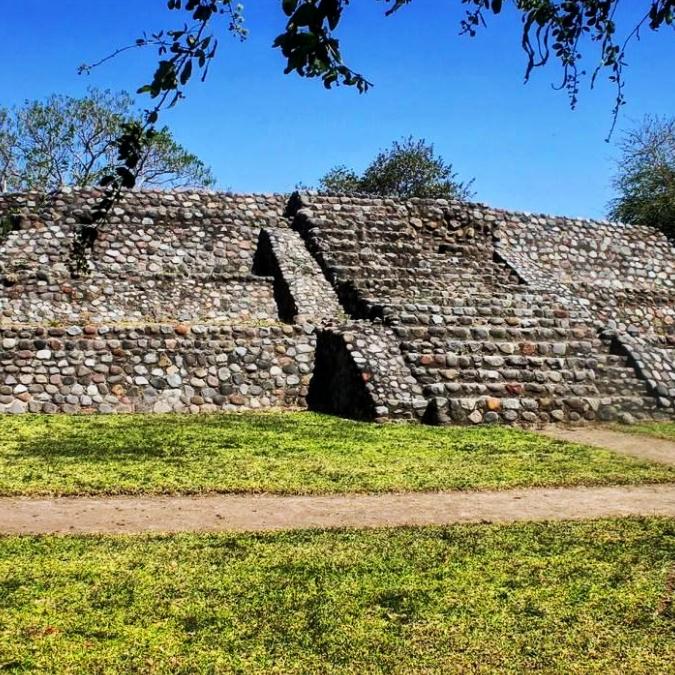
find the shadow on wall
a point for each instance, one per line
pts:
(265, 264)
(337, 386)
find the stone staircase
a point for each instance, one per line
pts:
(480, 343)
(410, 309)
(517, 362)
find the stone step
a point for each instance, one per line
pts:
(497, 334)
(459, 248)
(385, 274)
(519, 296)
(509, 389)
(425, 318)
(530, 373)
(442, 265)
(388, 292)
(541, 376)
(424, 285)
(505, 375)
(511, 384)
(337, 231)
(635, 403)
(617, 371)
(537, 315)
(389, 275)
(451, 366)
(486, 409)
(503, 302)
(623, 387)
(422, 294)
(524, 350)
(378, 245)
(498, 303)
(412, 259)
(608, 361)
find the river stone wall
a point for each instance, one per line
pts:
(154, 368)
(171, 316)
(429, 310)
(154, 298)
(159, 256)
(521, 303)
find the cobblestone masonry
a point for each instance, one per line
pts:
(426, 310)
(500, 316)
(154, 368)
(157, 250)
(212, 299)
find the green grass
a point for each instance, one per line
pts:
(288, 453)
(656, 429)
(564, 597)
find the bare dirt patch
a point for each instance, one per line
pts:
(131, 515)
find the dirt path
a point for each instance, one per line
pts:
(128, 515)
(653, 449)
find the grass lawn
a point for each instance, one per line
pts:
(657, 429)
(301, 453)
(583, 597)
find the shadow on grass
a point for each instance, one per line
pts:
(172, 438)
(177, 439)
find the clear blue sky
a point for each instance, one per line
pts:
(263, 131)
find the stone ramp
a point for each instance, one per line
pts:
(302, 292)
(360, 373)
(216, 513)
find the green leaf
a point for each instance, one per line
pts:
(289, 6)
(186, 73)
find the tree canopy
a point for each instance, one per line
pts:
(553, 30)
(645, 176)
(63, 141)
(409, 168)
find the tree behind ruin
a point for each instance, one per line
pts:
(66, 141)
(645, 177)
(409, 168)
